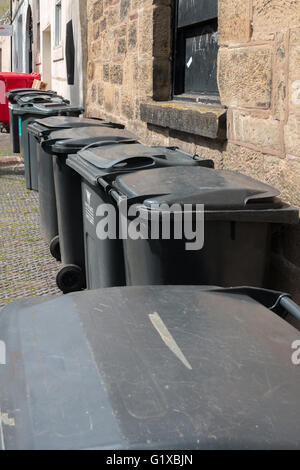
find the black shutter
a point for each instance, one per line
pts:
(201, 49)
(196, 49)
(70, 53)
(196, 11)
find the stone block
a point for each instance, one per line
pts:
(100, 94)
(124, 9)
(162, 31)
(109, 97)
(245, 76)
(234, 21)
(162, 79)
(116, 74)
(245, 160)
(145, 32)
(113, 16)
(91, 70)
(145, 77)
(185, 117)
(122, 47)
(127, 107)
(96, 30)
(294, 96)
(274, 15)
(102, 25)
(132, 35)
(284, 174)
(292, 135)
(263, 133)
(294, 62)
(97, 10)
(280, 94)
(106, 72)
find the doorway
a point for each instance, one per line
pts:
(29, 41)
(19, 64)
(47, 57)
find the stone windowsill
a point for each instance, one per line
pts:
(193, 118)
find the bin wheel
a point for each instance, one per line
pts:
(55, 248)
(70, 278)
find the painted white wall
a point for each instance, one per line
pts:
(5, 47)
(4, 40)
(70, 11)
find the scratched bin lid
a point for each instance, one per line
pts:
(177, 367)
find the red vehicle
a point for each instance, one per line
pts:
(10, 81)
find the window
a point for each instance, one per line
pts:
(38, 30)
(196, 50)
(58, 35)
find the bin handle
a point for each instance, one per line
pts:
(116, 196)
(102, 143)
(290, 306)
(37, 99)
(116, 125)
(275, 301)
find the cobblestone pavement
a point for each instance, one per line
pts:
(26, 266)
(5, 149)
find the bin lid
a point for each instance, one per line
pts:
(69, 141)
(37, 98)
(12, 94)
(48, 108)
(115, 155)
(43, 127)
(160, 367)
(67, 122)
(216, 189)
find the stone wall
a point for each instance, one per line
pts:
(129, 63)
(258, 73)
(129, 50)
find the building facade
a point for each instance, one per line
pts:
(22, 40)
(5, 41)
(221, 79)
(40, 43)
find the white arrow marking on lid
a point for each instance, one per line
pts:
(189, 62)
(168, 338)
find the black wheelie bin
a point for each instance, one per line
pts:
(13, 118)
(210, 226)
(150, 367)
(97, 166)
(38, 131)
(28, 109)
(52, 153)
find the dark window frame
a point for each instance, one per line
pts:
(180, 34)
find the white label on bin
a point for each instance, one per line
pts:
(89, 211)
